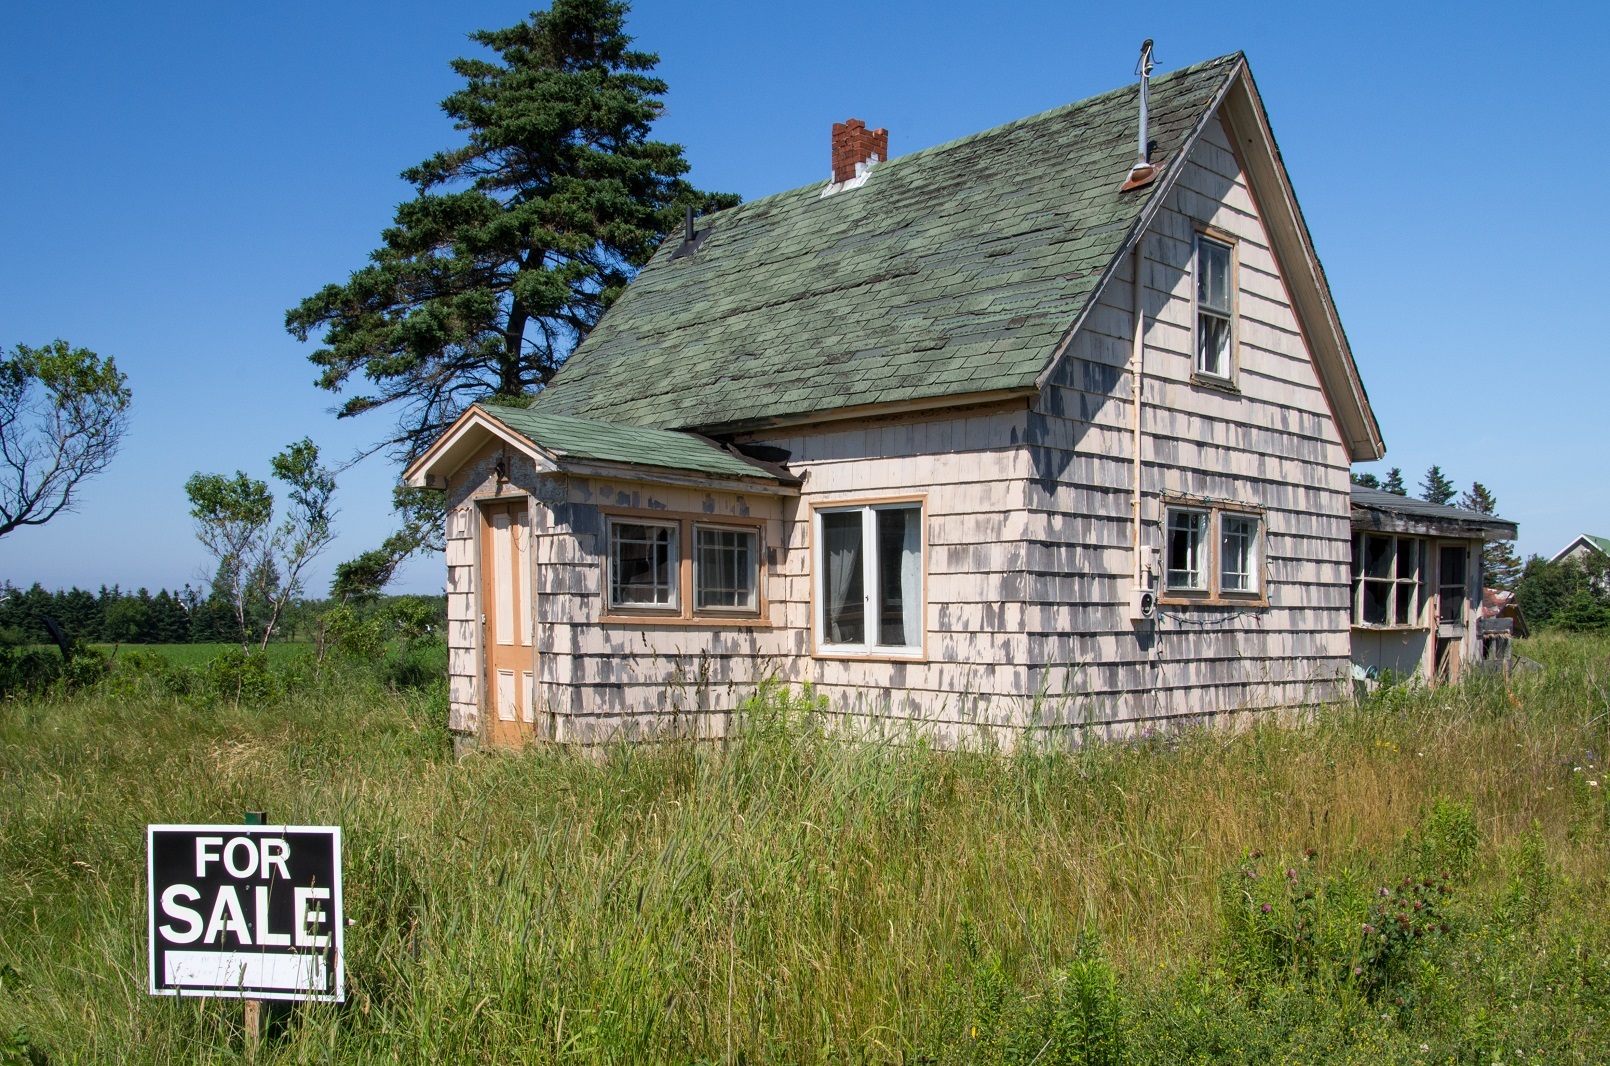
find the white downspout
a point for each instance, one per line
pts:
(1138, 379)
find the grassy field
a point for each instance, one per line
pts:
(199, 654)
(1213, 897)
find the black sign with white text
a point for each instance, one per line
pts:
(245, 911)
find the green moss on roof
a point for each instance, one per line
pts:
(953, 270)
(610, 442)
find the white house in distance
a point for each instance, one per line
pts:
(1015, 432)
(1583, 548)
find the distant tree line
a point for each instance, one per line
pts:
(113, 616)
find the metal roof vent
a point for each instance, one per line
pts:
(1143, 171)
(691, 238)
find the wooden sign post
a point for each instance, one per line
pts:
(256, 1014)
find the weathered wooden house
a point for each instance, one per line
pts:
(1016, 431)
(1417, 586)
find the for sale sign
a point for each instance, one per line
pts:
(245, 911)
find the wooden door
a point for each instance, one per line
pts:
(506, 623)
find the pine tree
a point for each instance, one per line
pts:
(1500, 566)
(1394, 482)
(1436, 488)
(1368, 481)
(516, 242)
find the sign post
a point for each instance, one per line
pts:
(248, 912)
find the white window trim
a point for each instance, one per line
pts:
(754, 562)
(1205, 555)
(1232, 355)
(675, 606)
(1254, 553)
(869, 564)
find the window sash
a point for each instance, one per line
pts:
(1238, 552)
(726, 569)
(644, 565)
(869, 569)
(1215, 307)
(1387, 581)
(1187, 531)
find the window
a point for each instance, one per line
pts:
(1215, 308)
(1451, 584)
(1212, 553)
(643, 565)
(1387, 579)
(725, 569)
(1238, 553)
(869, 572)
(650, 576)
(1187, 532)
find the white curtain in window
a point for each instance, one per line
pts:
(845, 618)
(911, 577)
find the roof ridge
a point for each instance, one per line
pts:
(956, 142)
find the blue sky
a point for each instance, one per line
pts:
(175, 176)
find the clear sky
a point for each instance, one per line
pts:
(174, 176)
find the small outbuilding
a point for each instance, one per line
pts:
(1417, 585)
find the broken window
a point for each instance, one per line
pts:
(1386, 579)
(1215, 308)
(1451, 584)
(643, 565)
(1187, 536)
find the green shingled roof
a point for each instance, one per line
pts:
(610, 442)
(954, 270)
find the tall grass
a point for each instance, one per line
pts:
(793, 896)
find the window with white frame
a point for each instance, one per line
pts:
(1186, 551)
(869, 579)
(1215, 307)
(725, 569)
(644, 565)
(1238, 552)
(1388, 582)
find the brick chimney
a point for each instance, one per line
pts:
(853, 145)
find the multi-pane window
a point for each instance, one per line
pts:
(1187, 546)
(1451, 584)
(1387, 579)
(869, 574)
(643, 565)
(1238, 552)
(725, 569)
(1215, 307)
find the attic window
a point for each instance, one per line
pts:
(1215, 308)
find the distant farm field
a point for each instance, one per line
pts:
(1420, 879)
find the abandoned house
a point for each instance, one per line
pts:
(1048, 426)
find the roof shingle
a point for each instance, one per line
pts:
(953, 270)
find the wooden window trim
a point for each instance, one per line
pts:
(685, 614)
(1230, 381)
(1213, 595)
(865, 653)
